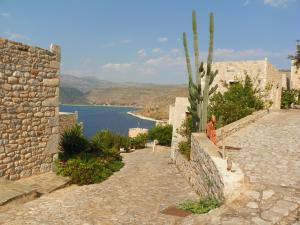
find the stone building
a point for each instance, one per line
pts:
(262, 72)
(295, 77)
(29, 110)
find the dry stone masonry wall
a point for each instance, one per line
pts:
(29, 114)
(67, 120)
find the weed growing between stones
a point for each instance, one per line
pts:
(201, 206)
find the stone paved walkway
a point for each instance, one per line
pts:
(135, 195)
(270, 159)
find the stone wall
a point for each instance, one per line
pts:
(177, 116)
(295, 77)
(262, 72)
(67, 120)
(133, 132)
(206, 170)
(29, 122)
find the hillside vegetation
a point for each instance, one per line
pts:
(153, 100)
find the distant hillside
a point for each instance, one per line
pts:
(153, 99)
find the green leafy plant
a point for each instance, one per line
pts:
(83, 171)
(241, 99)
(139, 141)
(296, 57)
(185, 148)
(288, 97)
(73, 142)
(185, 131)
(162, 133)
(200, 207)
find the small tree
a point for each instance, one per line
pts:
(240, 100)
(296, 57)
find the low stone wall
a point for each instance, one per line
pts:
(239, 124)
(133, 132)
(67, 120)
(207, 172)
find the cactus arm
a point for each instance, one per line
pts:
(196, 47)
(208, 74)
(187, 58)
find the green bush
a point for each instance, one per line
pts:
(185, 148)
(185, 131)
(73, 142)
(241, 99)
(201, 206)
(139, 141)
(288, 97)
(83, 171)
(162, 133)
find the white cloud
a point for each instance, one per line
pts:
(16, 36)
(156, 50)
(175, 50)
(117, 67)
(250, 54)
(142, 52)
(165, 61)
(162, 39)
(5, 14)
(278, 3)
(125, 41)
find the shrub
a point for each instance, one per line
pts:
(162, 133)
(83, 171)
(241, 99)
(139, 141)
(185, 131)
(185, 148)
(73, 142)
(102, 140)
(288, 97)
(201, 206)
(121, 141)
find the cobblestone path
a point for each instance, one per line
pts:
(270, 159)
(134, 195)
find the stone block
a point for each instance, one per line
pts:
(51, 102)
(52, 145)
(51, 82)
(12, 80)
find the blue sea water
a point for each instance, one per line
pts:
(116, 119)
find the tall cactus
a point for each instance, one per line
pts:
(198, 96)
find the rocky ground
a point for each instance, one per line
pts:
(135, 195)
(270, 159)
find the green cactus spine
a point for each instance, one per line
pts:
(199, 98)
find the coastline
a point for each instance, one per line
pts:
(144, 118)
(123, 106)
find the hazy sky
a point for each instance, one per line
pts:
(140, 40)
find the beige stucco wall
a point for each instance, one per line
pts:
(295, 77)
(177, 116)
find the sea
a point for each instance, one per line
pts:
(114, 118)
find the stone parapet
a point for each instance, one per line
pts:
(239, 124)
(207, 172)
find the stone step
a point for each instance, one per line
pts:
(23, 190)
